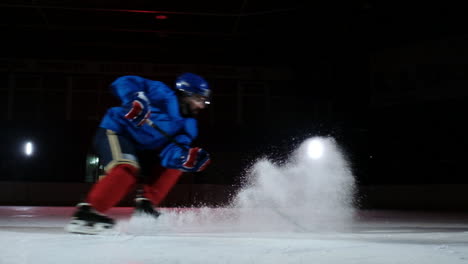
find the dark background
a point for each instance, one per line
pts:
(388, 80)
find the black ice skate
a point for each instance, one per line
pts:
(143, 206)
(86, 220)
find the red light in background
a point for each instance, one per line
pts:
(161, 17)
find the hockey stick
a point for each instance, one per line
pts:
(172, 140)
(288, 219)
(274, 209)
(170, 137)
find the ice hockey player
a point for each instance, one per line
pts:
(134, 152)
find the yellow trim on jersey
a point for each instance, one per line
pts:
(114, 145)
(116, 152)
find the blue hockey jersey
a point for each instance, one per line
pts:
(164, 113)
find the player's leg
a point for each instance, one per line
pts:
(163, 181)
(121, 166)
(156, 186)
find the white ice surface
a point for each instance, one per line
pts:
(34, 235)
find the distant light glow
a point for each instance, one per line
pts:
(161, 17)
(28, 148)
(94, 161)
(315, 149)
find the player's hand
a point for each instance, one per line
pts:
(196, 159)
(140, 110)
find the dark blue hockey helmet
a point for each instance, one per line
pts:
(189, 84)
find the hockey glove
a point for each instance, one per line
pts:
(140, 110)
(196, 159)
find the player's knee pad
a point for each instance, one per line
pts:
(126, 163)
(130, 168)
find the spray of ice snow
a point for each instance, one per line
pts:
(312, 191)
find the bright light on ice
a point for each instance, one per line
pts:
(315, 148)
(28, 148)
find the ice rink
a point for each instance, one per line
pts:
(300, 211)
(35, 235)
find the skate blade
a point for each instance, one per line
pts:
(82, 227)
